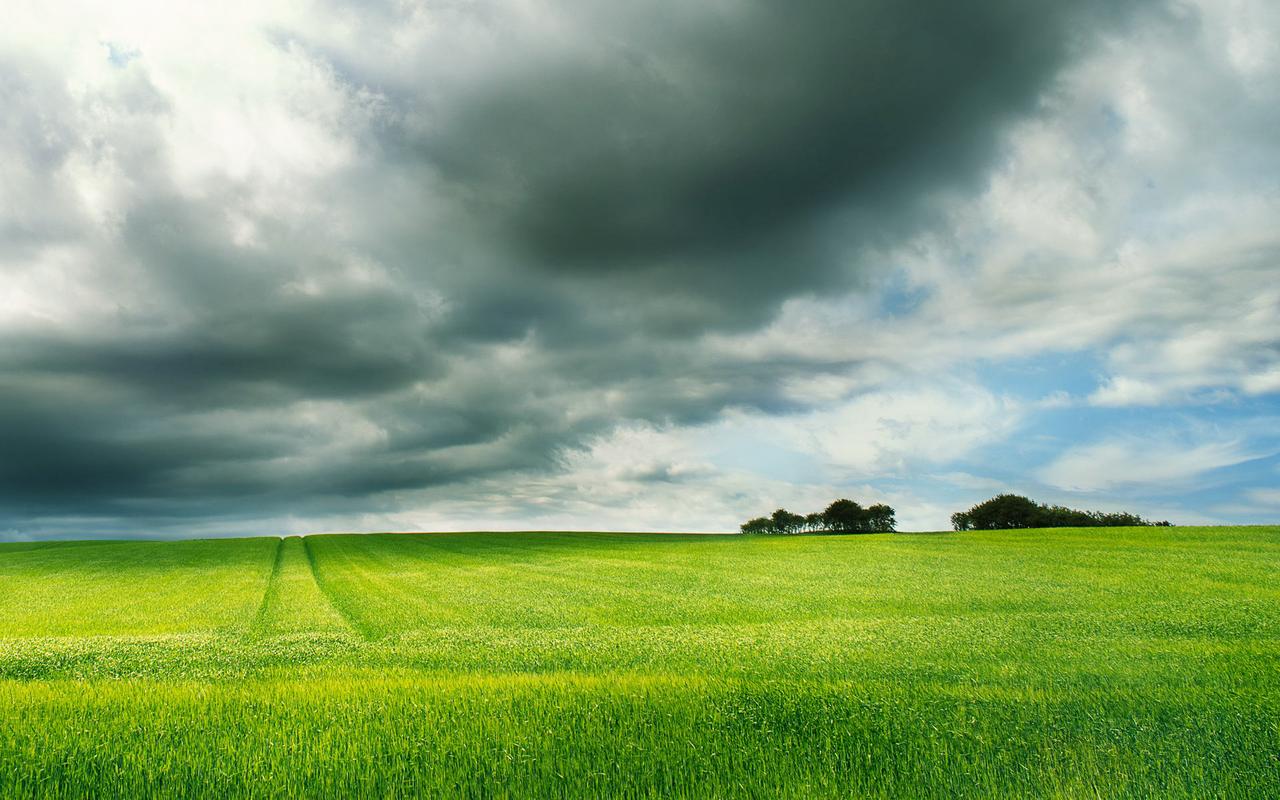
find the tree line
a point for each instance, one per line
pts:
(842, 516)
(1005, 511)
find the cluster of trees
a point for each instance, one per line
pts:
(1003, 511)
(1015, 511)
(842, 516)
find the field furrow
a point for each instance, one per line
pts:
(294, 604)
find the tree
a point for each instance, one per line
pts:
(1120, 519)
(1006, 511)
(880, 518)
(786, 522)
(844, 516)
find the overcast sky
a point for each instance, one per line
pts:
(272, 267)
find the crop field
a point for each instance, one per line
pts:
(1066, 663)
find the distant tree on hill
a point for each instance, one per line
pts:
(1123, 519)
(846, 516)
(786, 522)
(842, 516)
(1006, 511)
(1000, 512)
(880, 517)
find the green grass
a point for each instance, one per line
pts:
(1070, 663)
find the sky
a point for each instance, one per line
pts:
(274, 266)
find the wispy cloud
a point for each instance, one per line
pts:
(1136, 461)
(1265, 496)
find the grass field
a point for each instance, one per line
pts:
(1072, 663)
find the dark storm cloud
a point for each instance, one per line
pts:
(683, 141)
(552, 228)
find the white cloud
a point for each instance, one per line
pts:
(1266, 497)
(1133, 461)
(1126, 391)
(891, 431)
(967, 480)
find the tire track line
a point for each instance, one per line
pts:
(330, 596)
(260, 619)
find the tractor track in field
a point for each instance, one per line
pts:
(352, 621)
(260, 618)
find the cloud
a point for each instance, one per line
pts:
(369, 265)
(1131, 219)
(1152, 462)
(1264, 497)
(665, 133)
(894, 432)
